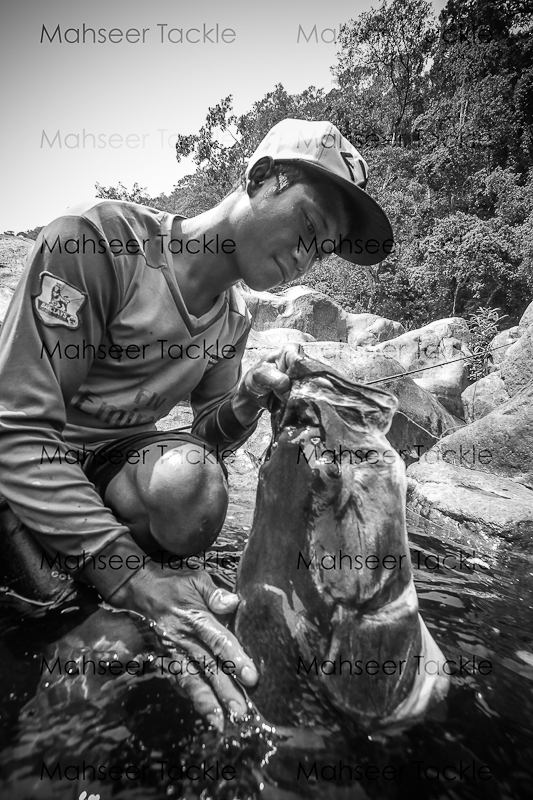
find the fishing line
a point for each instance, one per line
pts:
(433, 366)
(418, 425)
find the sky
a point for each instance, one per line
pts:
(77, 111)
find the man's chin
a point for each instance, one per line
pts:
(263, 284)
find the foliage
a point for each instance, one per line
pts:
(137, 194)
(483, 325)
(443, 113)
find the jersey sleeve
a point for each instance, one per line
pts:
(214, 419)
(64, 298)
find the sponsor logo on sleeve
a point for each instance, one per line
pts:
(58, 302)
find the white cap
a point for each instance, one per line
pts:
(321, 146)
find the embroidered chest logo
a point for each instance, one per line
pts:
(58, 302)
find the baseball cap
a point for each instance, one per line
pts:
(320, 146)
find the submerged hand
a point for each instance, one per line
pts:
(204, 654)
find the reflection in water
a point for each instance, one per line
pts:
(134, 736)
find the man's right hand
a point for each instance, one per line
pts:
(182, 607)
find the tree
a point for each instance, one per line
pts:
(137, 194)
(382, 66)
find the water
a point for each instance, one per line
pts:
(146, 741)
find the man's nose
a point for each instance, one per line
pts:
(303, 256)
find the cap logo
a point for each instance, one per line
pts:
(348, 159)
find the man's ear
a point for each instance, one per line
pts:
(260, 171)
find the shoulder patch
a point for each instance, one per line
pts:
(58, 302)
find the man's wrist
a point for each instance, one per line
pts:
(111, 569)
(247, 409)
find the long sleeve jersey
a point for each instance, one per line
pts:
(98, 344)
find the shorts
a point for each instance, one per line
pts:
(106, 460)
(21, 574)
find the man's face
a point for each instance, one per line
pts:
(277, 234)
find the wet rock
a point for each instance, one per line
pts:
(483, 396)
(428, 347)
(467, 501)
(506, 433)
(481, 476)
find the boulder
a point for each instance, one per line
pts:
(501, 344)
(464, 501)
(358, 323)
(5, 299)
(427, 349)
(298, 307)
(379, 329)
(499, 444)
(277, 337)
(483, 396)
(517, 366)
(526, 320)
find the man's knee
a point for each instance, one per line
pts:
(186, 498)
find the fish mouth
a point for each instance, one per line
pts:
(314, 386)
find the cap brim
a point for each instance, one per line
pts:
(370, 238)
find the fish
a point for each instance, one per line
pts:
(328, 607)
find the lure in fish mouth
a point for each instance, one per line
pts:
(329, 610)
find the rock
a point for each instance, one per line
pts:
(14, 252)
(517, 366)
(483, 396)
(264, 307)
(5, 299)
(441, 341)
(276, 337)
(370, 329)
(358, 323)
(499, 444)
(298, 307)
(526, 320)
(500, 345)
(420, 420)
(466, 501)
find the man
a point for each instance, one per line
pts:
(124, 311)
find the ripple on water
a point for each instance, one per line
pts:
(480, 606)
